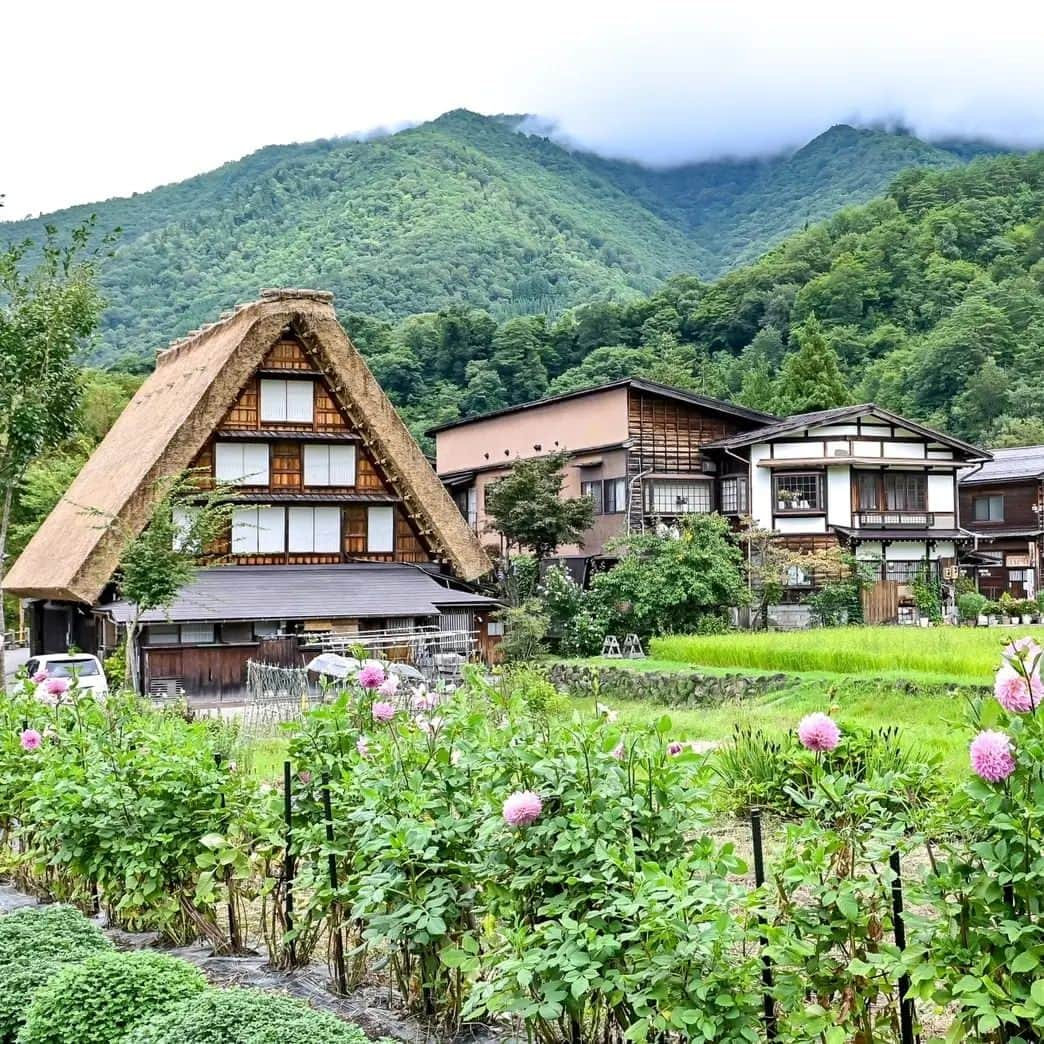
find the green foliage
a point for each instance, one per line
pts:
(971, 605)
(99, 1000)
(927, 589)
(525, 629)
(664, 584)
(811, 378)
(467, 211)
(35, 944)
(777, 773)
(244, 1016)
(527, 507)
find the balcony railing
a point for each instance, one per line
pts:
(896, 519)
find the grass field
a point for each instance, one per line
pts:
(968, 655)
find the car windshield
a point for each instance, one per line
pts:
(68, 668)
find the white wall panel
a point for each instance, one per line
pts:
(839, 496)
(940, 493)
(380, 529)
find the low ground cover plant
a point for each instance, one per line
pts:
(35, 944)
(101, 999)
(244, 1016)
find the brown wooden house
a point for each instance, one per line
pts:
(636, 448)
(1002, 504)
(340, 524)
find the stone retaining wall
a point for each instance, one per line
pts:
(670, 688)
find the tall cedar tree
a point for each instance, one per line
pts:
(48, 311)
(811, 377)
(528, 508)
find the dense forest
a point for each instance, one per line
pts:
(928, 300)
(464, 210)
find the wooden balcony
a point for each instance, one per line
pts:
(895, 519)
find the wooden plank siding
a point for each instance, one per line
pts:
(286, 443)
(667, 437)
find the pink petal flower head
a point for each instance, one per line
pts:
(675, 748)
(31, 739)
(619, 751)
(40, 677)
(362, 745)
(1014, 693)
(991, 756)
(818, 732)
(371, 676)
(424, 701)
(522, 808)
(383, 711)
(430, 726)
(390, 685)
(57, 686)
(305, 777)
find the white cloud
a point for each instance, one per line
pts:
(110, 98)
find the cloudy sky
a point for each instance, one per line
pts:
(109, 98)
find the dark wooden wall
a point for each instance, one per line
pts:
(1019, 498)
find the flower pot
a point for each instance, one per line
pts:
(1027, 618)
(982, 620)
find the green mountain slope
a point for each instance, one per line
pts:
(460, 210)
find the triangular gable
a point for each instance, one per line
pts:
(196, 382)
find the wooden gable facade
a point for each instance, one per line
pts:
(315, 469)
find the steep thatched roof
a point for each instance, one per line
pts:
(73, 554)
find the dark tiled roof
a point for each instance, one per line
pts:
(800, 421)
(865, 535)
(1021, 462)
(306, 592)
(667, 390)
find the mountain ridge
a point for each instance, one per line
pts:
(464, 209)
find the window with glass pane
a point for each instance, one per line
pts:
(869, 486)
(674, 497)
(906, 490)
(797, 577)
(906, 572)
(614, 495)
(988, 509)
(594, 491)
(733, 495)
(197, 634)
(799, 492)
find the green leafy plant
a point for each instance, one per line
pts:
(35, 944)
(99, 1000)
(244, 1016)
(971, 606)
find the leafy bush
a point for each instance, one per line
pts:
(99, 1000)
(779, 774)
(971, 605)
(525, 629)
(35, 944)
(243, 1016)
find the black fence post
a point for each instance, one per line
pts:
(906, 1004)
(234, 940)
(288, 859)
(340, 972)
(768, 1001)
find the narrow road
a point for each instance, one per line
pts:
(15, 658)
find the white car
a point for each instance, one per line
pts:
(82, 666)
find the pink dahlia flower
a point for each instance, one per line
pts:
(991, 756)
(57, 686)
(818, 732)
(371, 676)
(305, 777)
(619, 751)
(423, 700)
(31, 739)
(40, 677)
(390, 685)
(383, 711)
(362, 745)
(522, 808)
(1015, 693)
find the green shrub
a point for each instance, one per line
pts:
(35, 944)
(777, 773)
(970, 605)
(239, 1016)
(99, 1000)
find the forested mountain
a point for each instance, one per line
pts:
(928, 300)
(464, 209)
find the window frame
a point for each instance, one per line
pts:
(242, 477)
(257, 529)
(615, 504)
(370, 549)
(269, 410)
(593, 488)
(705, 486)
(988, 499)
(326, 449)
(889, 480)
(299, 512)
(820, 506)
(739, 483)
